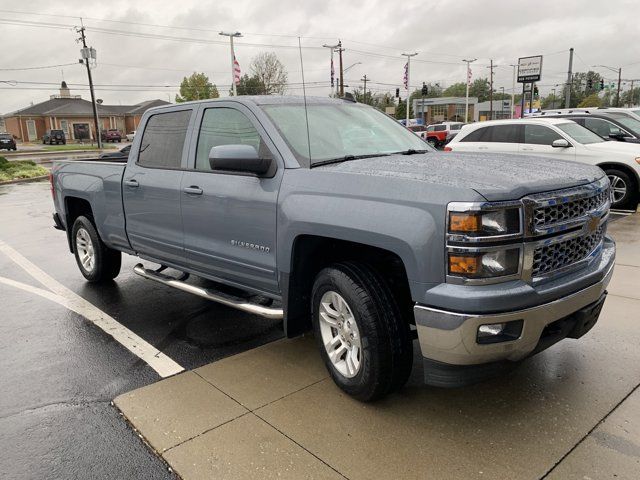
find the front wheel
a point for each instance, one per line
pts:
(96, 261)
(363, 339)
(623, 189)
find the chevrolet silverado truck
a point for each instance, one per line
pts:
(337, 219)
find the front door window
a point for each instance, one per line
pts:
(31, 130)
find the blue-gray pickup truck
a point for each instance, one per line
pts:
(335, 218)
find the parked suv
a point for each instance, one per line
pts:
(111, 135)
(559, 138)
(441, 133)
(7, 141)
(610, 125)
(54, 136)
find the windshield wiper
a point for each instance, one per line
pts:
(411, 151)
(346, 158)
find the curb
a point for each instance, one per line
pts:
(24, 180)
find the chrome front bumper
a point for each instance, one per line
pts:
(451, 337)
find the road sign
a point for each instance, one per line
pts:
(530, 69)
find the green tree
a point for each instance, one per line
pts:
(401, 110)
(592, 100)
(196, 87)
(250, 85)
(631, 98)
(551, 101)
(479, 88)
(458, 89)
(580, 87)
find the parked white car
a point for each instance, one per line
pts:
(130, 136)
(558, 138)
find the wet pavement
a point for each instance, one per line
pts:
(60, 373)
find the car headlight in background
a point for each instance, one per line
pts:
(489, 264)
(485, 223)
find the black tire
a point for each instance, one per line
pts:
(386, 355)
(106, 262)
(630, 199)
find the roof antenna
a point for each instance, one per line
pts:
(304, 95)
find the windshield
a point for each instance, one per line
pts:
(5, 136)
(636, 111)
(340, 130)
(579, 133)
(625, 120)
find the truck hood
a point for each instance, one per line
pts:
(494, 176)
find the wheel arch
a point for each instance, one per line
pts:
(311, 253)
(75, 207)
(623, 167)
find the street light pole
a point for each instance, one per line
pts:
(466, 102)
(502, 100)
(513, 91)
(233, 58)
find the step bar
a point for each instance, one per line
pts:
(223, 298)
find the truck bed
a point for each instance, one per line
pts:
(98, 182)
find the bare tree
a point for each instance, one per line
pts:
(271, 73)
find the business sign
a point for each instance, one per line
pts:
(530, 69)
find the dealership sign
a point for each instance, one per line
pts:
(530, 69)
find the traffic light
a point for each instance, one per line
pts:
(601, 84)
(425, 90)
(398, 92)
(535, 91)
(589, 84)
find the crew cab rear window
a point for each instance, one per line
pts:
(440, 128)
(163, 140)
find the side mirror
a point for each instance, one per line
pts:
(560, 143)
(238, 158)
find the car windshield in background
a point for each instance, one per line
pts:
(5, 136)
(340, 131)
(625, 120)
(579, 133)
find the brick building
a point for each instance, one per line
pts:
(443, 109)
(73, 115)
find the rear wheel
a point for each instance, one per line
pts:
(96, 261)
(363, 339)
(623, 189)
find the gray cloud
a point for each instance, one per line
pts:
(442, 32)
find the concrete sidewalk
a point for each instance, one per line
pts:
(272, 412)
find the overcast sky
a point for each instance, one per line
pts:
(132, 68)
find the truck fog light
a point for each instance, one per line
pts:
(500, 332)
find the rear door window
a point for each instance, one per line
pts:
(540, 135)
(478, 135)
(504, 134)
(602, 127)
(440, 128)
(163, 140)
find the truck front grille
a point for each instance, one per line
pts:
(555, 256)
(562, 212)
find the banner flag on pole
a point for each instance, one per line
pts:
(468, 76)
(332, 73)
(405, 79)
(236, 71)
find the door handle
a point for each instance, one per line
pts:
(131, 183)
(525, 149)
(193, 190)
(483, 148)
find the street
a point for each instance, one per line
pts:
(64, 371)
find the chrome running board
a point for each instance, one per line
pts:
(223, 298)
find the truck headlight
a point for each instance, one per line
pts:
(489, 264)
(485, 223)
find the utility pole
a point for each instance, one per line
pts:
(502, 104)
(87, 55)
(466, 102)
(340, 50)
(231, 35)
(631, 96)
(567, 97)
(409, 55)
(618, 92)
(513, 91)
(491, 90)
(364, 79)
(332, 49)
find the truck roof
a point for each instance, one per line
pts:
(266, 100)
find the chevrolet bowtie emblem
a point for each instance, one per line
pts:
(592, 224)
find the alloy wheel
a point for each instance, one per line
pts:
(86, 252)
(618, 188)
(340, 334)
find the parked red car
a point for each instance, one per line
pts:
(441, 133)
(111, 135)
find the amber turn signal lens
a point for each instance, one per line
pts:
(464, 264)
(465, 222)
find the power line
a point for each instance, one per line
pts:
(38, 68)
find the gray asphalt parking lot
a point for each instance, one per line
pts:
(238, 411)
